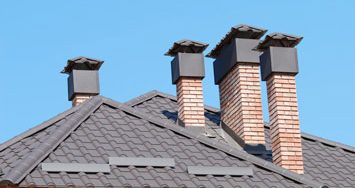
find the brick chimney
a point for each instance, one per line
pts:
(236, 71)
(279, 67)
(83, 80)
(187, 70)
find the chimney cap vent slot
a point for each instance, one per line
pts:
(82, 63)
(186, 46)
(279, 40)
(238, 31)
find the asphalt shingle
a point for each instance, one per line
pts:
(111, 129)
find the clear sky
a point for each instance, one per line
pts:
(37, 38)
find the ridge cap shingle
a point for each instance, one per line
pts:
(213, 143)
(38, 128)
(149, 95)
(19, 172)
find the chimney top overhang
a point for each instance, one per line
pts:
(279, 40)
(82, 63)
(279, 55)
(241, 31)
(188, 59)
(186, 46)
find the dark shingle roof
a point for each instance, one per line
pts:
(326, 161)
(101, 128)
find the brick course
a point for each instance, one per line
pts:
(284, 122)
(190, 101)
(240, 101)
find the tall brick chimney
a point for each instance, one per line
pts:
(279, 67)
(236, 71)
(187, 70)
(83, 80)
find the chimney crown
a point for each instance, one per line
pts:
(279, 40)
(186, 46)
(239, 31)
(82, 63)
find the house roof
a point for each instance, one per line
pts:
(145, 127)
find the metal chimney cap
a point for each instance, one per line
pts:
(186, 46)
(279, 40)
(238, 31)
(82, 63)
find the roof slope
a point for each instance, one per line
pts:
(326, 161)
(102, 128)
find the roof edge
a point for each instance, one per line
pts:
(215, 144)
(17, 174)
(38, 128)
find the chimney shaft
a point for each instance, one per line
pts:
(188, 70)
(83, 80)
(236, 71)
(278, 68)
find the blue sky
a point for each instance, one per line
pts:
(37, 38)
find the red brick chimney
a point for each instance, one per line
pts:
(279, 67)
(187, 69)
(83, 80)
(236, 71)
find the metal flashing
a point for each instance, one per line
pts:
(278, 60)
(83, 82)
(186, 46)
(75, 167)
(279, 40)
(140, 161)
(238, 51)
(220, 171)
(239, 31)
(187, 65)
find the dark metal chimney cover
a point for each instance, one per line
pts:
(186, 46)
(238, 31)
(279, 40)
(82, 63)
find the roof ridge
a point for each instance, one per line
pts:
(213, 143)
(308, 136)
(38, 128)
(43, 150)
(149, 95)
(153, 93)
(141, 98)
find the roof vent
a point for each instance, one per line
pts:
(75, 167)
(134, 161)
(220, 171)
